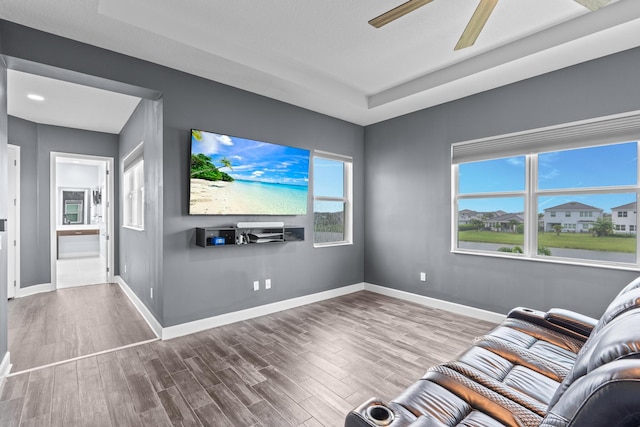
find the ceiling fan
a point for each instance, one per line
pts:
(475, 25)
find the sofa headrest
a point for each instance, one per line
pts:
(624, 302)
(634, 284)
(607, 396)
(619, 339)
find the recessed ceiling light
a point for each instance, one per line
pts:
(35, 97)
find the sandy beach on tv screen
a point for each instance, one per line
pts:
(245, 198)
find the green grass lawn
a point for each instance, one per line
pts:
(551, 240)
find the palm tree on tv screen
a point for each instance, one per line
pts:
(202, 167)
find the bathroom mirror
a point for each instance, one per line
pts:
(73, 206)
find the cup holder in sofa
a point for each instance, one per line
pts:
(379, 415)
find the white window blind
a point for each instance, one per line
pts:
(587, 133)
(136, 155)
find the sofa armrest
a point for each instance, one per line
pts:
(539, 318)
(527, 314)
(571, 320)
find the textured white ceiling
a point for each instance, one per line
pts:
(331, 39)
(324, 56)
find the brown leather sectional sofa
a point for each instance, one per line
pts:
(553, 369)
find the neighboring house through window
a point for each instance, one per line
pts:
(575, 224)
(625, 216)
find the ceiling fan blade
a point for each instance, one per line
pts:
(593, 4)
(475, 25)
(397, 12)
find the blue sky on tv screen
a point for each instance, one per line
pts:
(255, 160)
(595, 167)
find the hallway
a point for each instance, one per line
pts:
(54, 326)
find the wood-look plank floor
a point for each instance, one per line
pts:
(306, 366)
(55, 326)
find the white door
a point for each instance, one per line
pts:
(13, 220)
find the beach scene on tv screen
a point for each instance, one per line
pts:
(237, 176)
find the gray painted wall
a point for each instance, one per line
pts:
(137, 254)
(36, 143)
(193, 282)
(205, 282)
(408, 192)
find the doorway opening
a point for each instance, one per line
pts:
(81, 220)
(77, 132)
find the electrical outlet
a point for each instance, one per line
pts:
(423, 277)
(267, 284)
(256, 285)
(125, 268)
(151, 292)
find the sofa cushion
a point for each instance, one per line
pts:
(427, 398)
(486, 361)
(512, 373)
(532, 383)
(451, 399)
(539, 333)
(554, 354)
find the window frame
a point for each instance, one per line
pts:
(611, 130)
(133, 164)
(347, 197)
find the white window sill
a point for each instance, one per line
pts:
(332, 244)
(551, 260)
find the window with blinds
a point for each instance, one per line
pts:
(133, 189)
(550, 194)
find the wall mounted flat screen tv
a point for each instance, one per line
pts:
(238, 176)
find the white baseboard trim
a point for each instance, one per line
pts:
(5, 368)
(35, 289)
(153, 323)
(250, 313)
(452, 307)
(263, 310)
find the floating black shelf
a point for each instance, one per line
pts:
(214, 237)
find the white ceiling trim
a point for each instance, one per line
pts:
(581, 50)
(591, 27)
